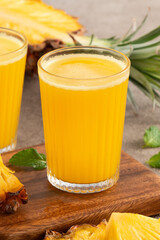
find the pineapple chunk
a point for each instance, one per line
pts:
(128, 226)
(12, 191)
(121, 226)
(37, 20)
(82, 232)
(45, 27)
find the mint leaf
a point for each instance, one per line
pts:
(152, 137)
(29, 158)
(43, 156)
(154, 161)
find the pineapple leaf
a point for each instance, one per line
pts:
(147, 37)
(131, 29)
(128, 38)
(156, 100)
(145, 45)
(154, 75)
(132, 101)
(127, 50)
(75, 41)
(92, 37)
(141, 79)
(154, 82)
(142, 45)
(143, 53)
(149, 64)
(112, 38)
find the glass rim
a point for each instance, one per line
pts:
(54, 52)
(14, 34)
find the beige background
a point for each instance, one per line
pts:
(104, 18)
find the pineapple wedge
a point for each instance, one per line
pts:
(12, 191)
(121, 226)
(37, 20)
(129, 226)
(82, 232)
(45, 27)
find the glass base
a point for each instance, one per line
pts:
(83, 188)
(8, 148)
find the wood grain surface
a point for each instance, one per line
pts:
(137, 191)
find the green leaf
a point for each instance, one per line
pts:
(140, 78)
(154, 82)
(127, 50)
(148, 65)
(76, 42)
(152, 137)
(132, 101)
(91, 41)
(145, 45)
(85, 41)
(143, 53)
(154, 161)
(154, 75)
(148, 37)
(43, 156)
(129, 37)
(29, 158)
(155, 100)
(140, 45)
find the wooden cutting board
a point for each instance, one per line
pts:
(137, 191)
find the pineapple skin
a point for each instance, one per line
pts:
(121, 226)
(12, 191)
(81, 232)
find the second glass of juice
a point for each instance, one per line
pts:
(13, 50)
(83, 95)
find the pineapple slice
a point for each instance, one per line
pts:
(12, 191)
(45, 27)
(121, 226)
(128, 226)
(37, 20)
(82, 232)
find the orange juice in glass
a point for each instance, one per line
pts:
(13, 49)
(83, 96)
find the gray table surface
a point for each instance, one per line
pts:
(104, 19)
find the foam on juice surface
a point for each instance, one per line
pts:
(9, 44)
(82, 67)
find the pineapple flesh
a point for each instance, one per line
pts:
(45, 27)
(121, 226)
(12, 191)
(129, 226)
(82, 232)
(37, 20)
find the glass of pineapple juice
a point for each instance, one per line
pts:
(83, 96)
(13, 50)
